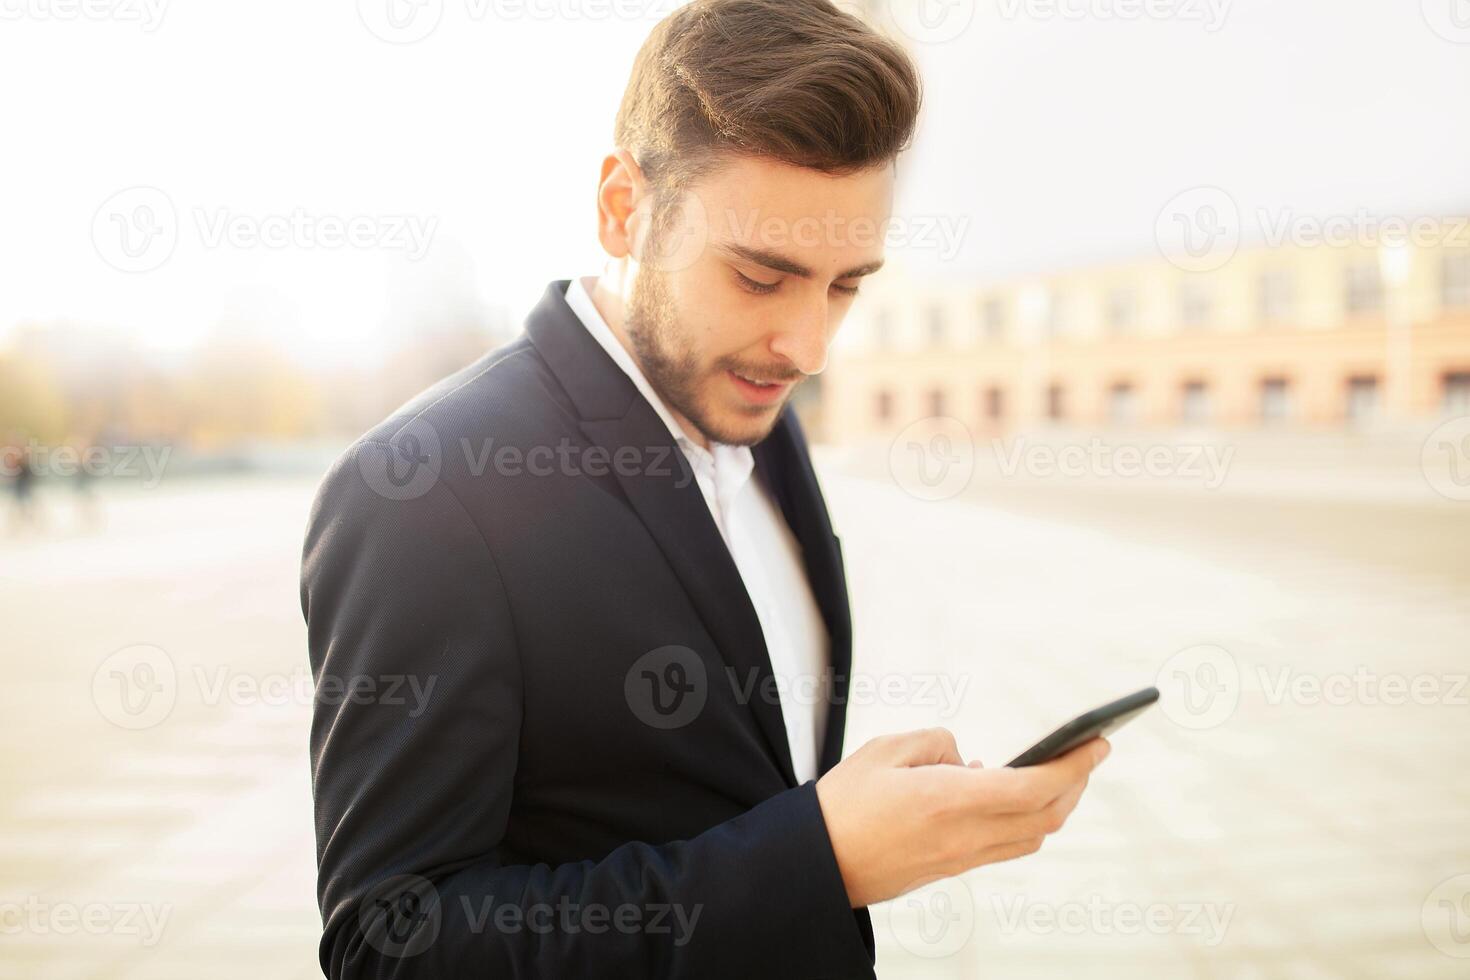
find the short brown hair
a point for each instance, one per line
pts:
(798, 81)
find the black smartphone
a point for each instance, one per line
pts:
(1086, 726)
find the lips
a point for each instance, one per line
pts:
(758, 391)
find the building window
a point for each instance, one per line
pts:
(882, 329)
(1056, 403)
(1196, 305)
(883, 405)
(1194, 403)
(1364, 288)
(1455, 284)
(995, 404)
(1455, 399)
(1362, 399)
(936, 401)
(1275, 400)
(1277, 295)
(1122, 404)
(1058, 316)
(936, 326)
(993, 318)
(1122, 310)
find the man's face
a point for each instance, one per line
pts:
(735, 301)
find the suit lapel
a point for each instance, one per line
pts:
(663, 492)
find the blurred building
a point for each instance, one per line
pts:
(1294, 337)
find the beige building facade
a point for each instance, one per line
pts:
(1293, 337)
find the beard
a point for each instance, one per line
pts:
(669, 361)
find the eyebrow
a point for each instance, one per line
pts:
(780, 263)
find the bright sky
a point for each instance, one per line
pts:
(472, 153)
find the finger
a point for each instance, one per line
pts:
(1030, 789)
(1006, 829)
(1009, 852)
(925, 747)
(977, 764)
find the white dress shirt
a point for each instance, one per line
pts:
(764, 550)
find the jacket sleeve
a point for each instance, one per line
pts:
(414, 746)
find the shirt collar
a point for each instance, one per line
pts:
(731, 465)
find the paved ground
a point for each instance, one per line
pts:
(1300, 808)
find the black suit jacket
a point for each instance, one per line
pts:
(546, 740)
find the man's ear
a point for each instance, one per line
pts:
(621, 204)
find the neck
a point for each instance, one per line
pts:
(609, 294)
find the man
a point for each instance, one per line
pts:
(577, 615)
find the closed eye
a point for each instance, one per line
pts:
(755, 285)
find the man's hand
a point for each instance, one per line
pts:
(904, 809)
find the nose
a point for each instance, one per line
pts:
(804, 340)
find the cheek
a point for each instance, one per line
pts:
(715, 319)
